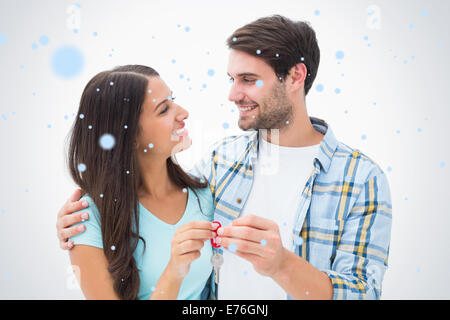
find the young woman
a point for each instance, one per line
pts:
(149, 225)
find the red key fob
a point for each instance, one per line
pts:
(213, 240)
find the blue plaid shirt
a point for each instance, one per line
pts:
(343, 222)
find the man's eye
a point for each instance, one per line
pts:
(248, 80)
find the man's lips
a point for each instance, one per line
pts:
(247, 109)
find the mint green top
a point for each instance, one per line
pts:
(158, 235)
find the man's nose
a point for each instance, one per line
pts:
(236, 93)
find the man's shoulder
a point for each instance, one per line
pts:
(234, 143)
(363, 165)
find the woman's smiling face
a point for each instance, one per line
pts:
(161, 123)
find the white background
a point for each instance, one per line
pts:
(393, 82)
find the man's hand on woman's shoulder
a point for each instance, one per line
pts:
(66, 219)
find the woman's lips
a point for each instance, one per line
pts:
(182, 132)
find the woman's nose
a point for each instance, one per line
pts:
(182, 114)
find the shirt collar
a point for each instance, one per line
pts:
(328, 145)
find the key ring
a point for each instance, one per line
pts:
(213, 241)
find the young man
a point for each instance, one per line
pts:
(303, 216)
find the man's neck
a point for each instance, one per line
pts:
(299, 132)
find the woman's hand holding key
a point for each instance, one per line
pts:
(186, 245)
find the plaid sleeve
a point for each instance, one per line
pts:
(362, 253)
(204, 168)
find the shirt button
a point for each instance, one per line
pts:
(238, 200)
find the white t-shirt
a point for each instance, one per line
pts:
(280, 174)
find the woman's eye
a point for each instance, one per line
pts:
(164, 110)
(167, 106)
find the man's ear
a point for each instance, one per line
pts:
(296, 77)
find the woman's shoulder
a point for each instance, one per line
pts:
(92, 208)
(92, 234)
(204, 194)
(205, 198)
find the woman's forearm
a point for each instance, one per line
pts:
(167, 287)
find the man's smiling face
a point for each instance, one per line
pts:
(257, 92)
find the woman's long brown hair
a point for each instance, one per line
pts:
(111, 103)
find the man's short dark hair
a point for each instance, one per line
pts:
(281, 43)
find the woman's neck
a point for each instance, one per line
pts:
(155, 178)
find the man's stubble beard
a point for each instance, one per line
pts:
(274, 111)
